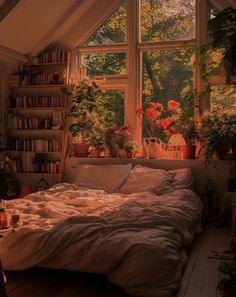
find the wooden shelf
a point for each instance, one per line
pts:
(44, 173)
(35, 152)
(34, 130)
(36, 108)
(39, 86)
(46, 64)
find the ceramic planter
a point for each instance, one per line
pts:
(188, 152)
(81, 150)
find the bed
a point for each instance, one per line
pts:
(131, 224)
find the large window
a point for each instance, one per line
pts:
(148, 48)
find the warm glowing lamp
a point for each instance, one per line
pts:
(177, 140)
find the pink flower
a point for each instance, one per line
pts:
(167, 132)
(173, 105)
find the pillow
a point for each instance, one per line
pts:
(183, 178)
(102, 177)
(143, 179)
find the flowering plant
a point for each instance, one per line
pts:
(115, 137)
(159, 120)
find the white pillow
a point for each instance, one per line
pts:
(183, 178)
(102, 177)
(143, 179)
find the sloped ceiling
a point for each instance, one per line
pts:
(32, 25)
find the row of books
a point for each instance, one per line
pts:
(34, 145)
(20, 122)
(53, 57)
(29, 165)
(55, 78)
(36, 101)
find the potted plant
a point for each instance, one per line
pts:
(96, 141)
(130, 148)
(222, 39)
(115, 138)
(87, 110)
(227, 285)
(217, 133)
(187, 126)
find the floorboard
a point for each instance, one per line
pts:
(200, 278)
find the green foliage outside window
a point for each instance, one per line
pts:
(166, 74)
(113, 31)
(165, 20)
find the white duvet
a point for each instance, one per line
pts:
(136, 239)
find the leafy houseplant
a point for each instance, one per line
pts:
(115, 138)
(87, 111)
(218, 133)
(130, 148)
(222, 34)
(187, 126)
(97, 141)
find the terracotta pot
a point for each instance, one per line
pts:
(95, 153)
(81, 149)
(130, 154)
(222, 151)
(188, 152)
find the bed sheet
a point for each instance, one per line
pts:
(136, 239)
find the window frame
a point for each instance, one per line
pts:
(134, 48)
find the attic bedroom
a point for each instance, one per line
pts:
(117, 148)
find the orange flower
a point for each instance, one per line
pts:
(139, 110)
(152, 114)
(158, 124)
(166, 122)
(152, 104)
(173, 105)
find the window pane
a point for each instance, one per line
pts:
(113, 31)
(225, 97)
(115, 102)
(165, 20)
(167, 75)
(105, 64)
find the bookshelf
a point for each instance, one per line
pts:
(35, 130)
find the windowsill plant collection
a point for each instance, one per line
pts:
(92, 123)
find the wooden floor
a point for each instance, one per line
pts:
(200, 278)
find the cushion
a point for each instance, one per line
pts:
(143, 179)
(102, 177)
(183, 178)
